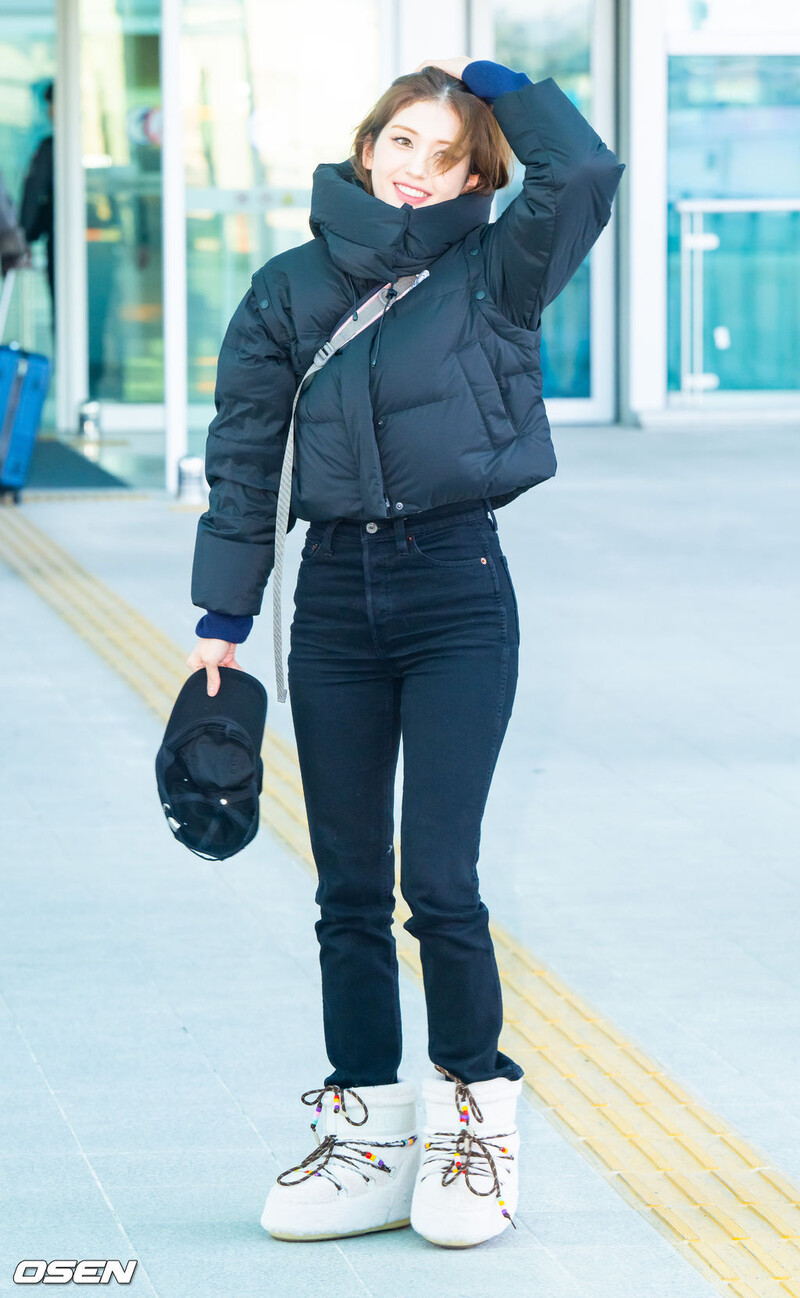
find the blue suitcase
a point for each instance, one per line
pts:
(24, 380)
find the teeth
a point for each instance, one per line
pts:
(415, 193)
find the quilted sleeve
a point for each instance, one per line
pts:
(255, 388)
(535, 246)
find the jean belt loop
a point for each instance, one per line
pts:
(400, 535)
(491, 514)
(326, 540)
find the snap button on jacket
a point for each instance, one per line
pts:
(452, 408)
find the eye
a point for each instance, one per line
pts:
(400, 139)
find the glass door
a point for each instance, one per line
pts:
(111, 100)
(121, 142)
(27, 59)
(739, 295)
(734, 224)
(733, 204)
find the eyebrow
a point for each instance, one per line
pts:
(397, 126)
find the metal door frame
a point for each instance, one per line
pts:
(648, 42)
(72, 306)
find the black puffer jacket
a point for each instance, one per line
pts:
(439, 403)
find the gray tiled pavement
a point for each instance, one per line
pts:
(160, 1015)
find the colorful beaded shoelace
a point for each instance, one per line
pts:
(467, 1154)
(352, 1153)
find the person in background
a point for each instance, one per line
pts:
(36, 207)
(14, 250)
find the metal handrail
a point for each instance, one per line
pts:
(738, 205)
(694, 242)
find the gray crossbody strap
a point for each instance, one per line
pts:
(366, 315)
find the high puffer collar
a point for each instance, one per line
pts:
(375, 240)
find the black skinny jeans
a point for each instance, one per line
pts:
(403, 626)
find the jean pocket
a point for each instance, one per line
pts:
(458, 546)
(311, 548)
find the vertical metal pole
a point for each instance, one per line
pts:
(686, 299)
(173, 190)
(27, 318)
(72, 308)
(645, 203)
(698, 367)
(388, 41)
(603, 316)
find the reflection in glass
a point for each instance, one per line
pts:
(120, 101)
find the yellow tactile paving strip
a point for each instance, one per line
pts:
(105, 493)
(718, 1200)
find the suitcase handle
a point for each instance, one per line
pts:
(5, 299)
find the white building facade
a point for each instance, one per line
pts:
(186, 133)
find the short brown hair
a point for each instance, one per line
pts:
(479, 136)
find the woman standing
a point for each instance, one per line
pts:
(405, 614)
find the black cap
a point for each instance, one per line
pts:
(208, 768)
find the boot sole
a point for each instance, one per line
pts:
(461, 1243)
(472, 1243)
(439, 1243)
(339, 1234)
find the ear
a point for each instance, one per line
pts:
(471, 181)
(366, 153)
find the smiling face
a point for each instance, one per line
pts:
(405, 155)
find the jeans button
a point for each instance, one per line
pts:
(372, 527)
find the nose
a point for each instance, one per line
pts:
(418, 170)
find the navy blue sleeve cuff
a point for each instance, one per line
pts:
(489, 80)
(224, 626)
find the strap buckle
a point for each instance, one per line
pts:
(324, 354)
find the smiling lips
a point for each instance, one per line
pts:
(410, 194)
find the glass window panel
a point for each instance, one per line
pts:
(734, 123)
(120, 112)
(730, 15)
(734, 126)
(27, 59)
(261, 110)
(545, 38)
